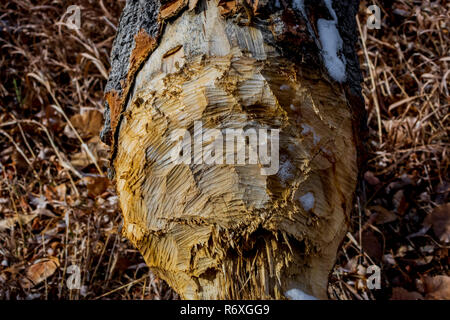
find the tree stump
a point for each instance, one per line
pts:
(224, 229)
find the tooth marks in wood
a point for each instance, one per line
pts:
(206, 230)
(290, 38)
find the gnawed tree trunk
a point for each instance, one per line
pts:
(227, 231)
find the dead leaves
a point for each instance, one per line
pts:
(96, 185)
(372, 245)
(39, 271)
(439, 220)
(88, 124)
(99, 151)
(9, 223)
(431, 288)
(403, 294)
(437, 288)
(370, 177)
(382, 215)
(52, 109)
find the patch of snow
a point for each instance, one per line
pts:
(297, 294)
(285, 87)
(331, 42)
(307, 200)
(286, 171)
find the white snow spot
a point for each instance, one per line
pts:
(33, 296)
(308, 129)
(286, 172)
(331, 45)
(285, 87)
(297, 294)
(307, 200)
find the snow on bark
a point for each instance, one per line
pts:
(332, 45)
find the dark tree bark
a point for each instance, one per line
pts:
(227, 231)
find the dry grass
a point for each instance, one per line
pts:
(406, 69)
(61, 210)
(51, 74)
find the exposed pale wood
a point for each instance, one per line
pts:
(226, 231)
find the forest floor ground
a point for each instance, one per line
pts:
(59, 216)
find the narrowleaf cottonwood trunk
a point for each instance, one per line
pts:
(227, 231)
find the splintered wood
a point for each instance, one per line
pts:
(226, 231)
